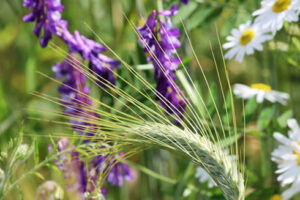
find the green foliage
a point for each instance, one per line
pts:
(265, 117)
(160, 175)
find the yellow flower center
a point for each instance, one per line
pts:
(298, 158)
(246, 37)
(298, 155)
(261, 86)
(276, 197)
(281, 5)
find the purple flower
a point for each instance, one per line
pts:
(74, 94)
(117, 171)
(74, 91)
(160, 40)
(185, 1)
(72, 168)
(81, 178)
(46, 14)
(171, 12)
(100, 65)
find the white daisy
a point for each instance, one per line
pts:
(261, 91)
(287, 156)
(245, 40)
(203, 177)
(274, 12)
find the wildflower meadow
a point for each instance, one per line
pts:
(150, 100)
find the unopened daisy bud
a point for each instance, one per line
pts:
(50, 190)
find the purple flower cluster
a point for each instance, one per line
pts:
(99, 64)
(74, 91)
(117, 171)
(160, 41)
(75, 171)
(46, 14)
(72, 167)
(83, 179)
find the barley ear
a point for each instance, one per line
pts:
(203, 152)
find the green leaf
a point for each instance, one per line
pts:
(30, 75)
(264, 118)
(211, 98)
(263, 193)
(8, 35)
(282, 119)
(250, 108)
(36, 152)
(255, 132)
(216, 12)
(229, 140)
(296, 43)
(39, 175)
(227, 116)
(185, 61)
(53, 167)
(198, 18)
(229, 24)
(184, 12)
(3, 105)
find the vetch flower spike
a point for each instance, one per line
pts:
(160, 40)
(46, 14)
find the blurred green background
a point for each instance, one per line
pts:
(21, 57)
